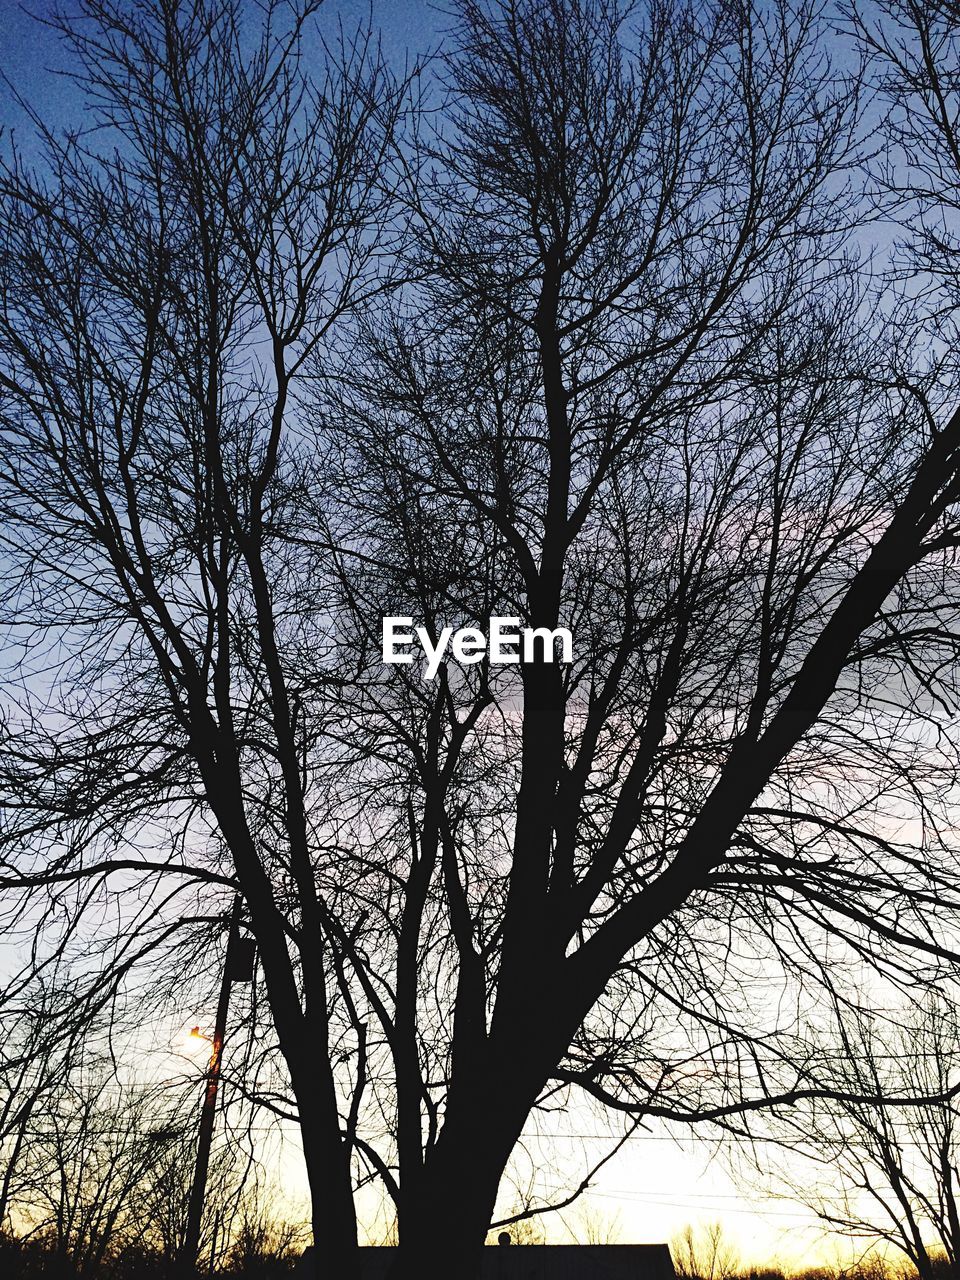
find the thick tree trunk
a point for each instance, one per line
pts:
(302, 1034)
(443, 1228)
(332, 1210)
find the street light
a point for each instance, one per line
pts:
(238, 967)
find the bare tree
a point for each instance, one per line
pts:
(887, 1171)
(629, 388)
(35, 1055)
(88, 1161)
(704, 1254)
(105, 1171)
(634, 393)
(892, 1169)
(263, 1238)
(166, 271)
(590, 1225)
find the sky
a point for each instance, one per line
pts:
(662, 1180)
(29, 49)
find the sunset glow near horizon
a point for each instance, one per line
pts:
(659, 1184)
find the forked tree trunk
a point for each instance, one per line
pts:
(442, 1230)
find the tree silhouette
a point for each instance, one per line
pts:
(587, 345)
(636, 391)
(167, 268)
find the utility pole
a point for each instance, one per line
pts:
(238, 967)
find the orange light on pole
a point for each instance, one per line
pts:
(238, 967)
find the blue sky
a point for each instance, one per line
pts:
(30, 51)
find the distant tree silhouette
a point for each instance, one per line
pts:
(704, 1254)
(36, 1050)
(883, 1170)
